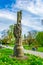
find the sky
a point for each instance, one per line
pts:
(32, 14)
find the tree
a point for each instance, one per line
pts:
(29, 38)
(10, 34)
(39, 38)
(8, 37)
(4, 40)
(25, 39)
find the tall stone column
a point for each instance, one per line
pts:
(18, 49)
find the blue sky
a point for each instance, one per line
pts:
(32, 14)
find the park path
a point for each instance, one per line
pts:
(9, 47)
(36, 53)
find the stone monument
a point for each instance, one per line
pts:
(18, 49)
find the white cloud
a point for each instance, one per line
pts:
(27, 5)
(33, 23)
(6, 17)
(3, 26)
(36, 8)
(27, 21)
(7, 14)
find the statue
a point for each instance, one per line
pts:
(18, 49)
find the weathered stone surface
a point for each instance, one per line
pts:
(18, 49)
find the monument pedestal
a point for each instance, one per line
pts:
(18, 49)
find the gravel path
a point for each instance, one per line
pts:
(40, 54)
(7, 47)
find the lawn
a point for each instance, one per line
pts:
(6, 60)
(40, 49)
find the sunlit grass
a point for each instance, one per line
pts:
(40, 49)
(5, 59)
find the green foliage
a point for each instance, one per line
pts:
(4, 40)
(10, 37)
(40, 49)
(39, 38)
(10, 34)
(30, 39)
(5, 59)
(27, 39)
(27, 47)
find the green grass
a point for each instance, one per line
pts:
(12, 45)
(26, 47)
(6, 60)
(40, 49)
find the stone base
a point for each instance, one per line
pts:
(19, 58)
